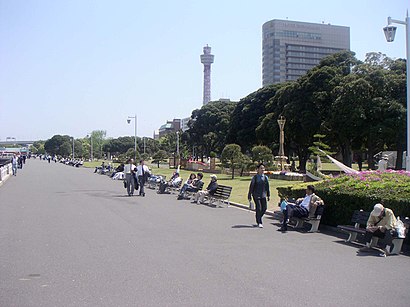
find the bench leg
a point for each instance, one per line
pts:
(352, 237)
(397, 244)
(299, 223)
(315, 225)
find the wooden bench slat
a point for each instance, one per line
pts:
(222, 193)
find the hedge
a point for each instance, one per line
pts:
(346, 193)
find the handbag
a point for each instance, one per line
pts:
(125, 184)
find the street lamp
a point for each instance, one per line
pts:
(389, 32)
(73, 148)
(178, 144)
(135, 133)
(282, 158)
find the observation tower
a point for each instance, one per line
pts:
(207, 59)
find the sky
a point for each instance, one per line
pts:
(71, 67)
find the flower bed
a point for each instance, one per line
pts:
(384, 185)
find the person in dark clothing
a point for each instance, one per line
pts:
(360, 161)
(194, 186)
(259, 190)
(210, 190)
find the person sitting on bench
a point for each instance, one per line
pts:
(304, 207)
(381, 224)
(173, 182)
(210, 190)
(193, 186)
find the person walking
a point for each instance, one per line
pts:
(259, 191)
(143, 173)
(14, 165)
(129, 171)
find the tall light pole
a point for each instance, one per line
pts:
(135, 134)
(178, 144)
(390, 32)
(281, 123)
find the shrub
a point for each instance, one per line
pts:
(346, 193)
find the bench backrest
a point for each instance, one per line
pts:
(360, 217)
(223, 191)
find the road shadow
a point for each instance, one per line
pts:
(243, 226)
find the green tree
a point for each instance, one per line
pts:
(247, 116)
(119, 145)
(232, 157)
(262, 154)
(159, 156)
(98, 139)
(209, 125)
(58, 145)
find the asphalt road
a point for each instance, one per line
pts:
(69, 237)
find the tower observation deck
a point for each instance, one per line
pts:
(207, 59)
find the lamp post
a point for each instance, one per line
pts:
(178, 143)
(281, 123)
(135, 134)
(390, 32)
(73, 148)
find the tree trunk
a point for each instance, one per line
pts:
(347, 153)
(303, 157)
(158, 163)
(399, 160)
(370, 154)
(233, 172)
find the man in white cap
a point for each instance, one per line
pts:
(381, 224)
(210, 190)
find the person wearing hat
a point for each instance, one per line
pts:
(381, 224)
(210, 190)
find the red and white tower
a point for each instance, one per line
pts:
(207, 59)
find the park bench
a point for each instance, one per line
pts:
(297, 222)
(221, 195)
(359, 219)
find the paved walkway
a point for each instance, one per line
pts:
(69, 237)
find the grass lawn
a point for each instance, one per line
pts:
(240, 185)
(94, 164)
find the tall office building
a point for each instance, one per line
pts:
(291, 48)
(207, 59)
